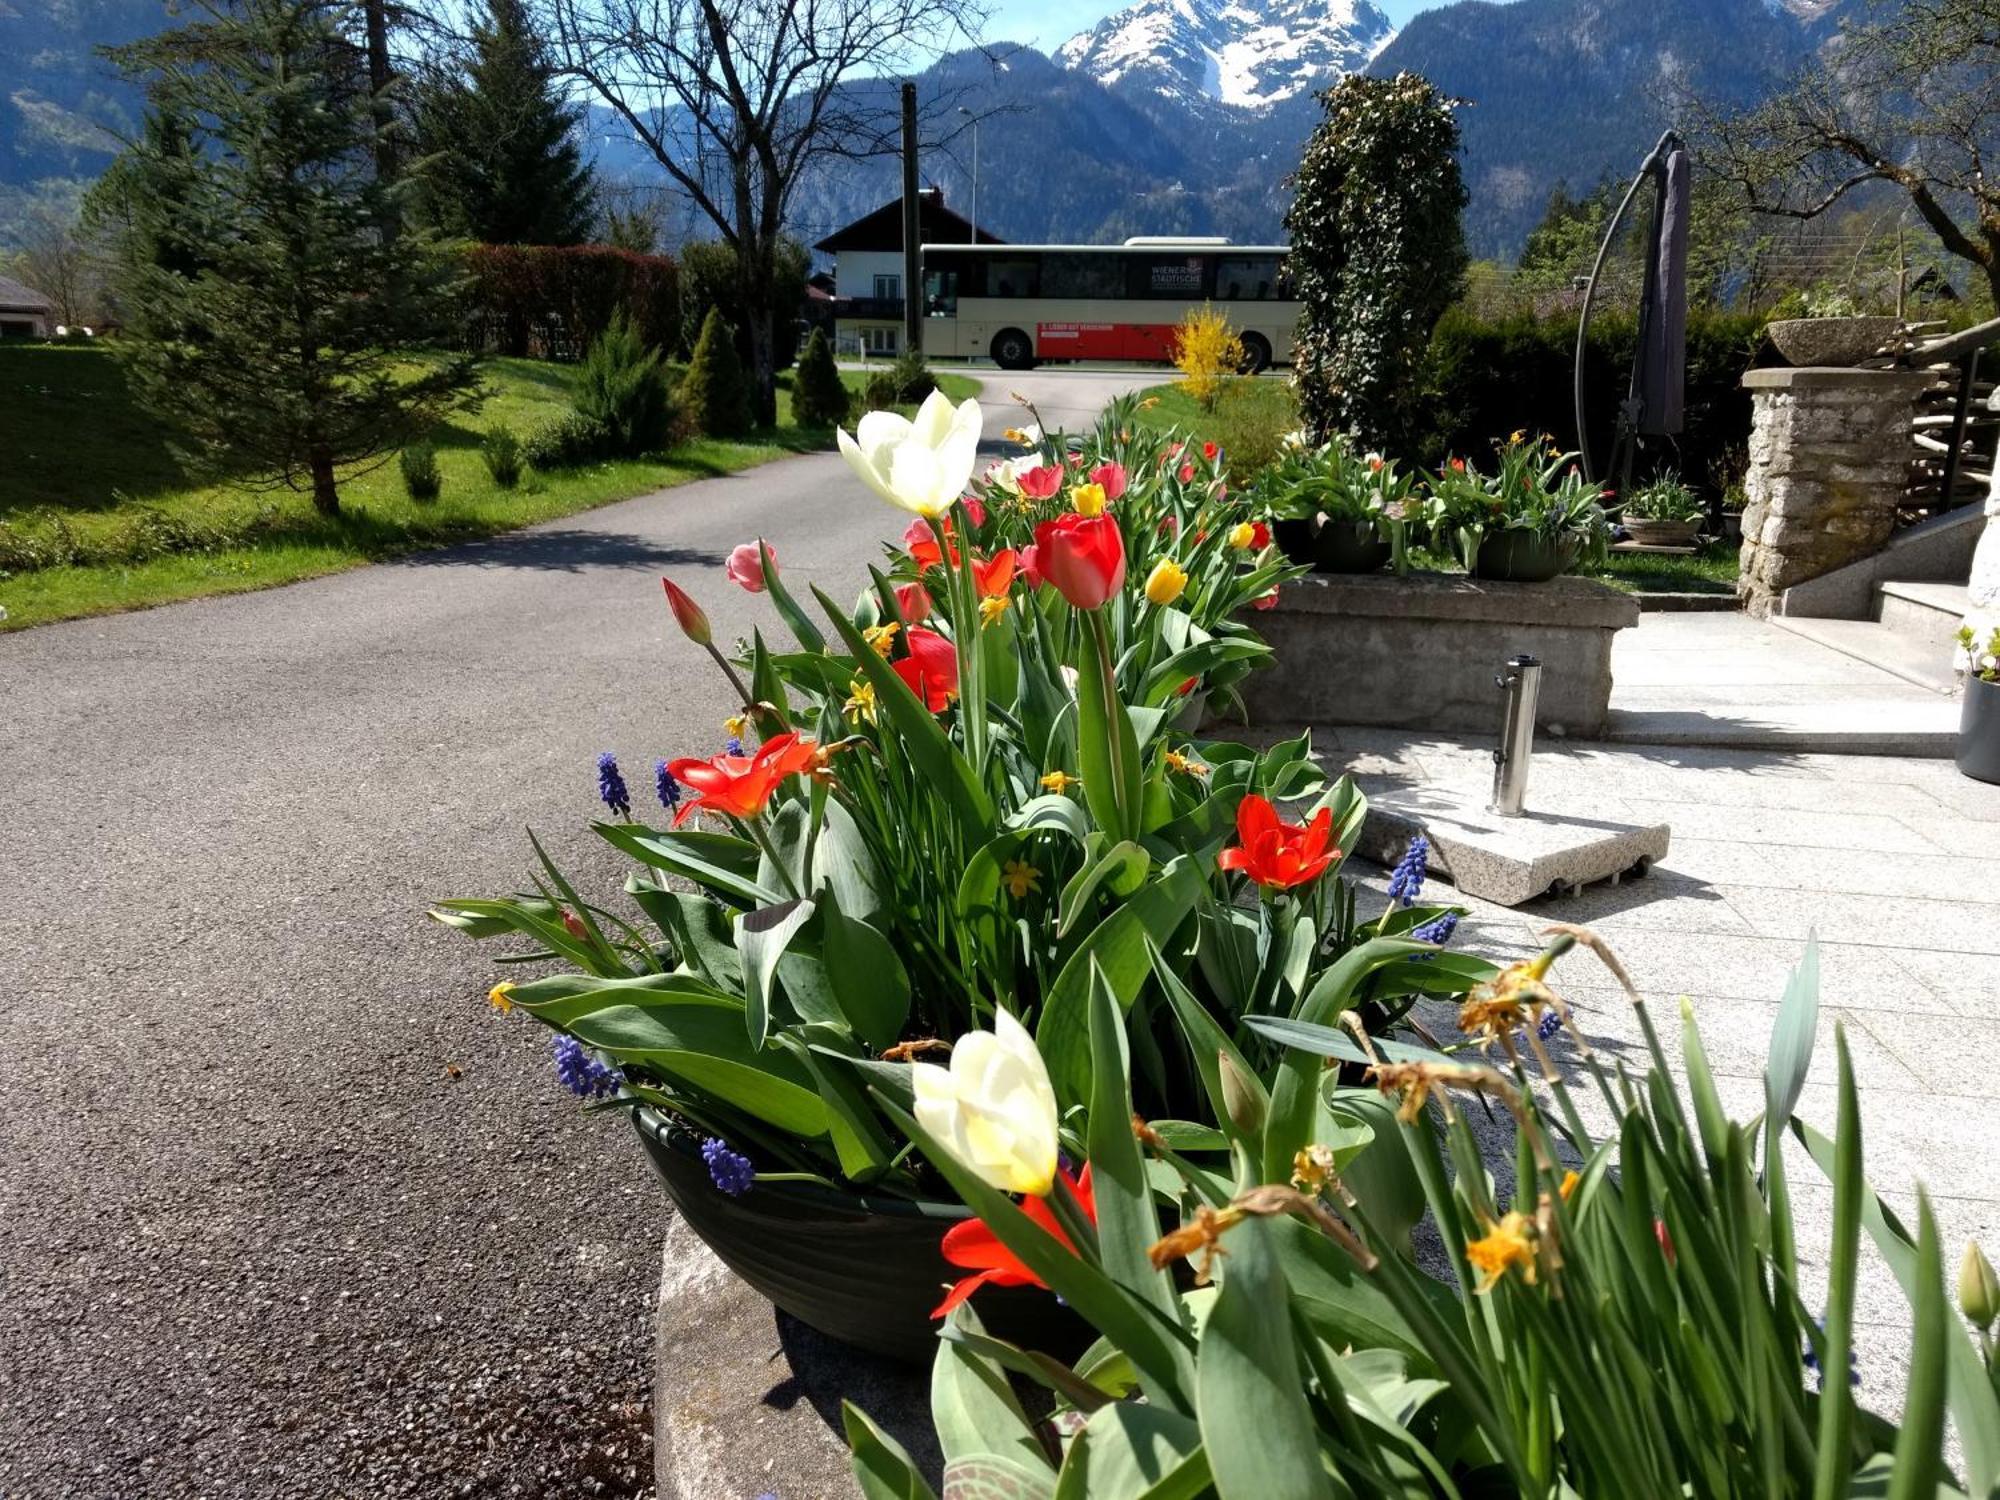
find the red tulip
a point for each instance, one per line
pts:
(1187, 473)
(1260, 536)
(1275, 854)
(1209, 450)
(741, 785)
(1188, 685)
(921, 543)
(1030, 566)
(687, 613)
(913, 602)
(1265, 601)
(971, 1246)
(746, 566)
(1083, 556)
(975, 510)
(995, 574)
(1112, 476)
(1041, 482)
(930, 670)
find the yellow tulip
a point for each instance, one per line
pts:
(922, 465)
(1165, 582)
(1088, 499)
(993, 1108)
(1241, 535)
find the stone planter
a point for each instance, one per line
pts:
(866, 1271)
(1420, 652)
(1518, 555)
(1979, 731)
(1834, 343)
(1350, 547)
(1297, 538)
(1648, 533)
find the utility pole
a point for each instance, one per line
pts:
(975, 170)
(913, 308)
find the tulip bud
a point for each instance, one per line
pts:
(1240, 1097)
(1165, 582)
(1978, 1288)
(687, 613)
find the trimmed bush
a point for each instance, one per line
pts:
(714, 393)
(912, 377)
(552, 301)
(502, 452)
(879, 393)
(819, 397)
(421, 478)
(567, 442)
(622, 390)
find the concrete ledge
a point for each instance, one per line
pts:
(1826, 377)
(1422, 652)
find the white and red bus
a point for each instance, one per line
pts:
(1020, 304)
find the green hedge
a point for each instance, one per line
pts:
(1486, 379)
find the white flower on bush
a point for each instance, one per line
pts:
(922, 466)
(993, 1108)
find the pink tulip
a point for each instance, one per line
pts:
(1042, 482)
(745, 567)
(913, 602)
(1112, 477)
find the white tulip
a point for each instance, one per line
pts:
(993, 1108)
(922, 466)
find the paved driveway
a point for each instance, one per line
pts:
(284, 1210)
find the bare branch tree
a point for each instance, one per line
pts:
(1912, 103)
(737, 99)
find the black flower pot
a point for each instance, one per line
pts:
(1296, 538)
(864, 1270)
(1350, 547)
(1519, 555)
(1979, 731)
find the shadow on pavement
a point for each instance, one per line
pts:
(567, 550)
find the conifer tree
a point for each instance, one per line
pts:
(713, 392)
(505, 169)
(819, 398)
(286, 356)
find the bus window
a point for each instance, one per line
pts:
(1251, 278)
(1097, 277)
(1013, 276)
(1166, 276)
(941, 293)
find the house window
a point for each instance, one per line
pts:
(879, 340)
(888, 288)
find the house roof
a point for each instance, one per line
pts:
(20, 298)
(883, 229)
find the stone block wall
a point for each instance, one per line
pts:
(1828, 454)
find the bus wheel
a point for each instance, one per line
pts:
(1256, 354)
(1012, 351)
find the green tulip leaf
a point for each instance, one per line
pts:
(883, 1468)
(974, 1410)
(762, 936)
(1129, 1451)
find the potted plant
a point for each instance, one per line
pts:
(1833, 332)
(1344, 512)
(1663, 512)
(964, 793)
(1979, 713)
(1529, 520)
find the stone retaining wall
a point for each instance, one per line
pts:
(1829, 451)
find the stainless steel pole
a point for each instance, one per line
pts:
(1521, 681)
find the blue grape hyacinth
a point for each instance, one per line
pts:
(582, 1074)
(611, 785)
(1438, 930)
(730, 1171)
(669, 790)
(1406, 881)
(1819, 1375)
(1548, 1026)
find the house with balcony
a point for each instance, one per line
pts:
(868, 270)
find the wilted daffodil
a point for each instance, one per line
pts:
(993, 1108)
(922, 465)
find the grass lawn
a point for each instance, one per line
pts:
(1263, 400)
(86, 473)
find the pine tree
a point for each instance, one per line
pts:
(819, 398)
(286, 358)
(713, 392)
(505, 168)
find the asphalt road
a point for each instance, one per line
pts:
(285, 1209)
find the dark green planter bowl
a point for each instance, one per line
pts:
(1979, 730)
(866, 1271)
(1349, 547)
(1518, 555)
(1298, 539)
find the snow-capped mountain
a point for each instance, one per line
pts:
(1242, 52)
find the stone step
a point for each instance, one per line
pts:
(1930, 613)
(1845, 726)
(1911, 658)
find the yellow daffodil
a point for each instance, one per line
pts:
(1028, 437)
(993, 1109)
(1187, 765)
(1505, 1246)
(1088, 499)
(992, 609)
(1149, 403)
(498, 996)
(1242, 535)
(881, 637)
(1165, 583)
(860, 700)
(1020, 878)
(1313, 1169)
(922, 465)
(1569, 1182)
(1060, 782)
(735, 724)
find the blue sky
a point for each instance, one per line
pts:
(1047, 24)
